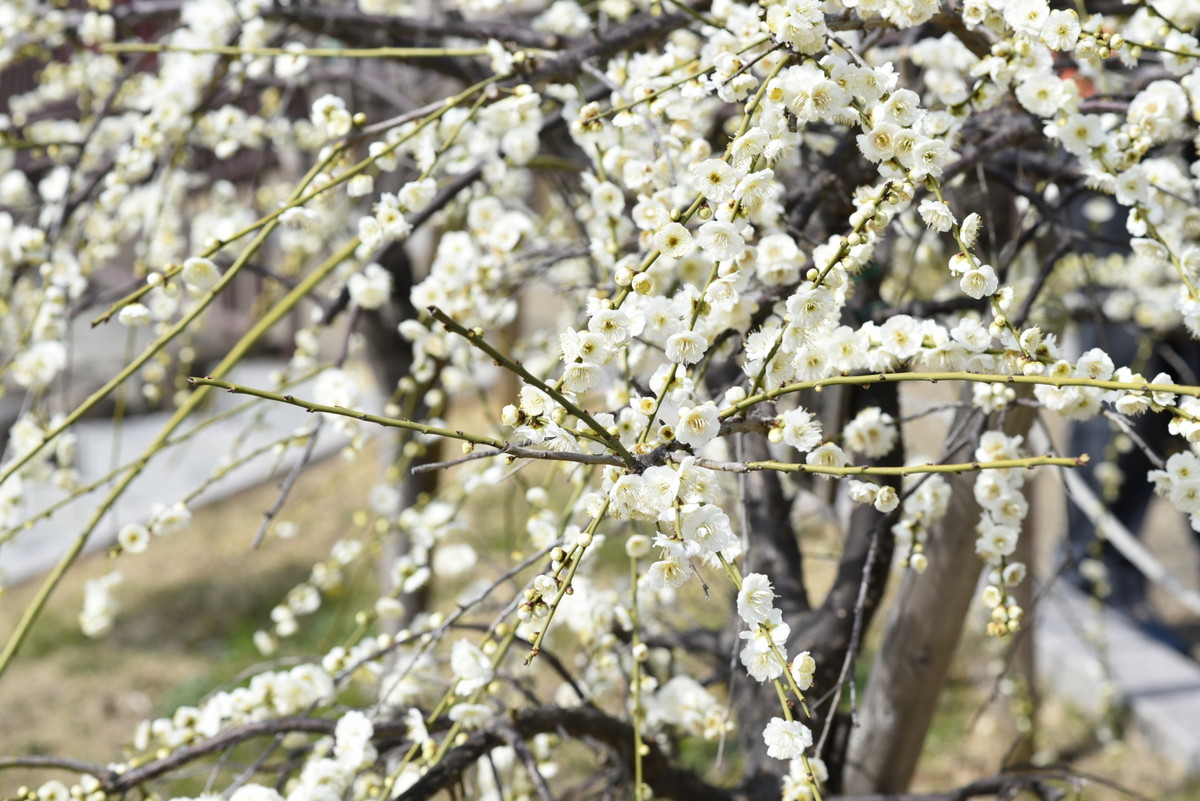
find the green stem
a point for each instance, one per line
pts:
(311, 52)
(981, 378)
(213, 249)
(235, 355)
(576, 560)
(476, 339)
(636, 670)
(183, 324)
(367, 417)
(905, 470)
(1161, 49)
(47, 512)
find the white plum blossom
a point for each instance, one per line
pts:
(133, 537)
(901, 336)
(698, 425)
(803, 669)
(629, 284)
(800, 429)
(99, 605)
(787, 739)
(707, 529)
(668, 573)
(872, 433)
(385, 500)
(979, 282)
(686, 347)
(135, 315)
(37, 366)
(626, 495)
(471, 667)
(352, 740)
(200, 275)
(471, 716)
(371, 288)
(613, 326)
(336, 388)
(168, 520)
(579, 377)
(936, 215)
(659, 487)
(720, 240)
(755, 599)
(256, 792)
(330, 116)
(995, 446)
(879, 143)
(764, 655)
(674, 241)
(416, 195)
(811, 309)
(827, 455)
(1061, 30)
(970, 228)
(715, 179)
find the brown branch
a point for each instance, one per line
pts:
(346, 20)
(517, 742)
(974, 40)
(1008, 131)
(582, 723)
(58, 763)
(116, 784)
(773, 547)
(1002, 785)
(633, 35)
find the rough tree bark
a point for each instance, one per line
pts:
(922, 633)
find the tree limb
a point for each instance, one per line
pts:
(580, 723)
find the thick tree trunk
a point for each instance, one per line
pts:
(829, 631)
(392, 359)
(923, 630)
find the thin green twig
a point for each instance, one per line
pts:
(477, 340)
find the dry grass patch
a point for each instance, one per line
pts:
(189, 607)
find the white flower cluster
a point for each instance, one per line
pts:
(332, 775)
(764, 654)
(683, 702)
(338, 387)
(99, 605)
(465, 281)
(804, 779)
(56, 465)
(326, 578)
(352, 752)
(689, 258)
(882, 496)
(922, 508)
(787, 739)
(1179, 483)
(267, 695)
(1003, 505)
(165, 521)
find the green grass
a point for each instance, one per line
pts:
(226, 636)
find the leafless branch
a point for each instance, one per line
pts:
(518, 745)
(583, 723)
